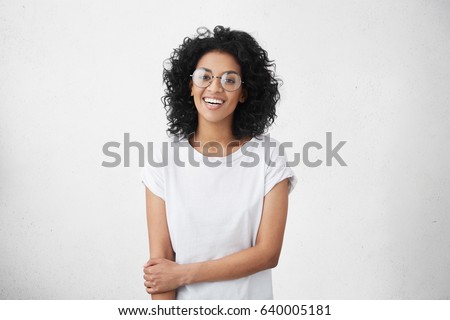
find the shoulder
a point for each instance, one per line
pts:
(267, 139)
(163, 149)
(277, 167)
(176, 139)
(271, 146)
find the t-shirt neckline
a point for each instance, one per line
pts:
(232, 156)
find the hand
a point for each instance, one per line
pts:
(162, 275)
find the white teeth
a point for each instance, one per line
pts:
(215, 101)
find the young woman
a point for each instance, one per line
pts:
(217, 208)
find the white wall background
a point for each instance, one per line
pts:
(77, 74)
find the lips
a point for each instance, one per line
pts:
(213, 103)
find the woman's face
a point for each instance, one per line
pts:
(222, 107)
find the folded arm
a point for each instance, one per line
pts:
(166, 275)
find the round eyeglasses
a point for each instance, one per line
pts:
(230, 80)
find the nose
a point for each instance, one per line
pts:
(215, 85)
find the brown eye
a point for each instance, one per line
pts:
(201, 78)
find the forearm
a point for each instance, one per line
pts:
(234, 266)
(170, 295)
(262, 256)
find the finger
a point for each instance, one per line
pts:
(149, 277)
(147, 264)
(149, 269)
(151, 290)
(149, 284)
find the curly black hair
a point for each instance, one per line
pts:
(252, 117)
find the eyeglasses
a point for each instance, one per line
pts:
(230, 80)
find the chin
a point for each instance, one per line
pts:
(213, 116)
(213, 119)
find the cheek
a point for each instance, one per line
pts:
(198, 101)
(234, 99)
(197, 96)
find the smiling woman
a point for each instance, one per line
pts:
(222, 96)
(216, 231)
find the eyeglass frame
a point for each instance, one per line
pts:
(213, 77)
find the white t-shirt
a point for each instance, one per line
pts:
(214, 206)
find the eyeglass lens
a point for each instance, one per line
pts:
(230, 81)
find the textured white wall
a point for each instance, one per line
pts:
(75, 75)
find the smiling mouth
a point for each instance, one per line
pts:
(213, 103)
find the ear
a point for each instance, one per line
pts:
(243, 96)
(190, 86)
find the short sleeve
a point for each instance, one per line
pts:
(152, 176)
(277, 170)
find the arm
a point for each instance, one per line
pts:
(159, 238)
(264, 255)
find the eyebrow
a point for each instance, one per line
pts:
(229, 71)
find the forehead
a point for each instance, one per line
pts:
(218, 62)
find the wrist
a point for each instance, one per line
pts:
(187, 274)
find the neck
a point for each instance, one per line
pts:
(216, 133)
